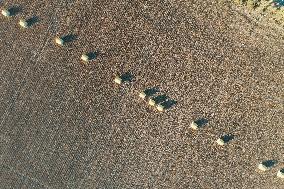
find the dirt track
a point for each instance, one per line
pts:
(67, 125)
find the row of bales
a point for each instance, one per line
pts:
(151, 96)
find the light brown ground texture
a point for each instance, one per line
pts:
(67, 125)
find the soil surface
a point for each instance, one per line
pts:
(65, 124)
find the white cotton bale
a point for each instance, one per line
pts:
(142, 95)
(280, 173)
(194, 125)
(6, 13)
(152, 102)
(220, 142)
(263, 167)
(85, 58)
(23, 23)
(59, 41)
(160, 108)
(118, 80)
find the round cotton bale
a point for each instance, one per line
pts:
(118, 80)
(142, 95)
(263, 167)
(220, 142)
(194, 125)
(280, 173)
(59, 41)
(152, 102)
(85, 58)
(6, 13)
(160, 108)
(23, 23)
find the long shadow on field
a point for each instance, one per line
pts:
(128, 77)
(278, 3)
(160, 98)
(93, 55)
(151, 91)
(269, 163)
(69, 38)
(14, 10)
(227, 138)
(33, 20)
(169, 103)
(201, 122)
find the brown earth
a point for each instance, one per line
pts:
(67, 125)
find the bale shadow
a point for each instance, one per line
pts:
(69, 38)
(227, 138)
(201, 122)
(14, 10)
(278, 3)
(169, 103)
(127, 77)
(93, 55)
(33, 20)
(151, 91)
(160, 98)
(269, 163)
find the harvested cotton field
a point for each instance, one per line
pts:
(76, 79)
